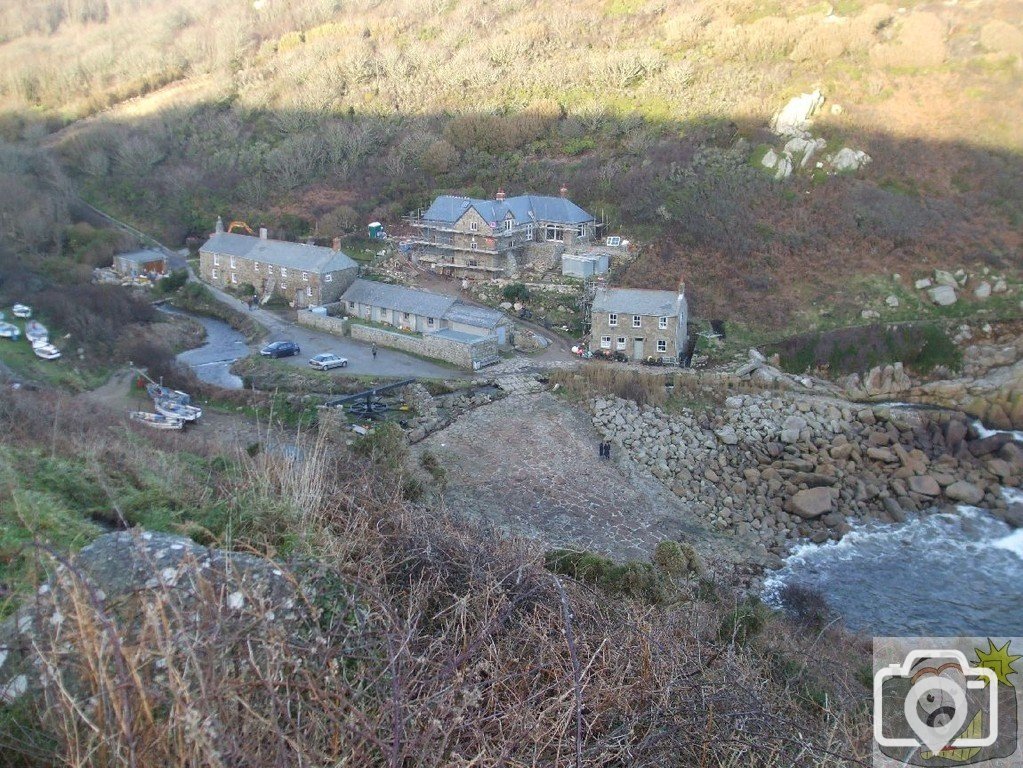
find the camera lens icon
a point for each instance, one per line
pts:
(936, 710)
(937, 703)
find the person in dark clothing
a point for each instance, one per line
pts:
(374, 350)
(600, 448)
(607, 449)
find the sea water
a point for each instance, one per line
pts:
(942, 574)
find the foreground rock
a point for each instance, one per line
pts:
(132, 585)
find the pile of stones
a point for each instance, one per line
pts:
(785, 468)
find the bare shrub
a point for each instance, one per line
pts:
(920, 43)
(1002, 37)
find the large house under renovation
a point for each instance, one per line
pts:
(304, 275)
(469, 237)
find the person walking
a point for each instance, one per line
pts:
(374, 350)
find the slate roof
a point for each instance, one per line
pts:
(280, 253)
(477, 317)
(399, 298)
(636, 301)
(142, 257)
(447, 209)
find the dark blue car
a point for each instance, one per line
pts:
(280, 349)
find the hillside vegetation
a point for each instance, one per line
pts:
(314, 116)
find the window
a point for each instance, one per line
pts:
(305, 277)
(269, 269)
(232, 262)
(508, 223)
(662, 323)
(284, 273)
(555, 233)
(473, 245)
(308, 290)
(234, 279)
(637, 321)
(216, 259)
(213, 274)
(529, 231)
(605, 342)
(662, 345)
(473, 263)
(284, 286)
(474, 226)
(581, 230)
(404, 316)
(328, 278)
(429, 321)
(612, 319)
(621, 343)
(351, 305)
(255, 266)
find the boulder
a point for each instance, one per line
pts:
(942, 295)
(923, 283)
(727, 435)
(892, 301)
(812, 502)
(965, 492)
(847, 160)
(1000, 468)
(983, 290)
(250, 603)
(770, 159)
(794, 118)
(944, 277)
(924, 485)
(784, 169)
(990, 444)
(1000, 286)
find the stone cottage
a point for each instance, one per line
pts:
(304, 275)
(640, 324)
(445, 328)
(470, 237)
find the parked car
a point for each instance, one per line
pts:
(327, 361)
(21, 310)
(280, 349)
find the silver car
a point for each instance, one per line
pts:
(327, 361)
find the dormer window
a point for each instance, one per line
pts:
(508, 223)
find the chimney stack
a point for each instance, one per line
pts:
(219, 229)
(337, 243)
(262, 233)
(564, 191)
(500, 194)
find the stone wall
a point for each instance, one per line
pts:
(336, 325)
(429, 345)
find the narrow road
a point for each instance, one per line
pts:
(388, 362)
